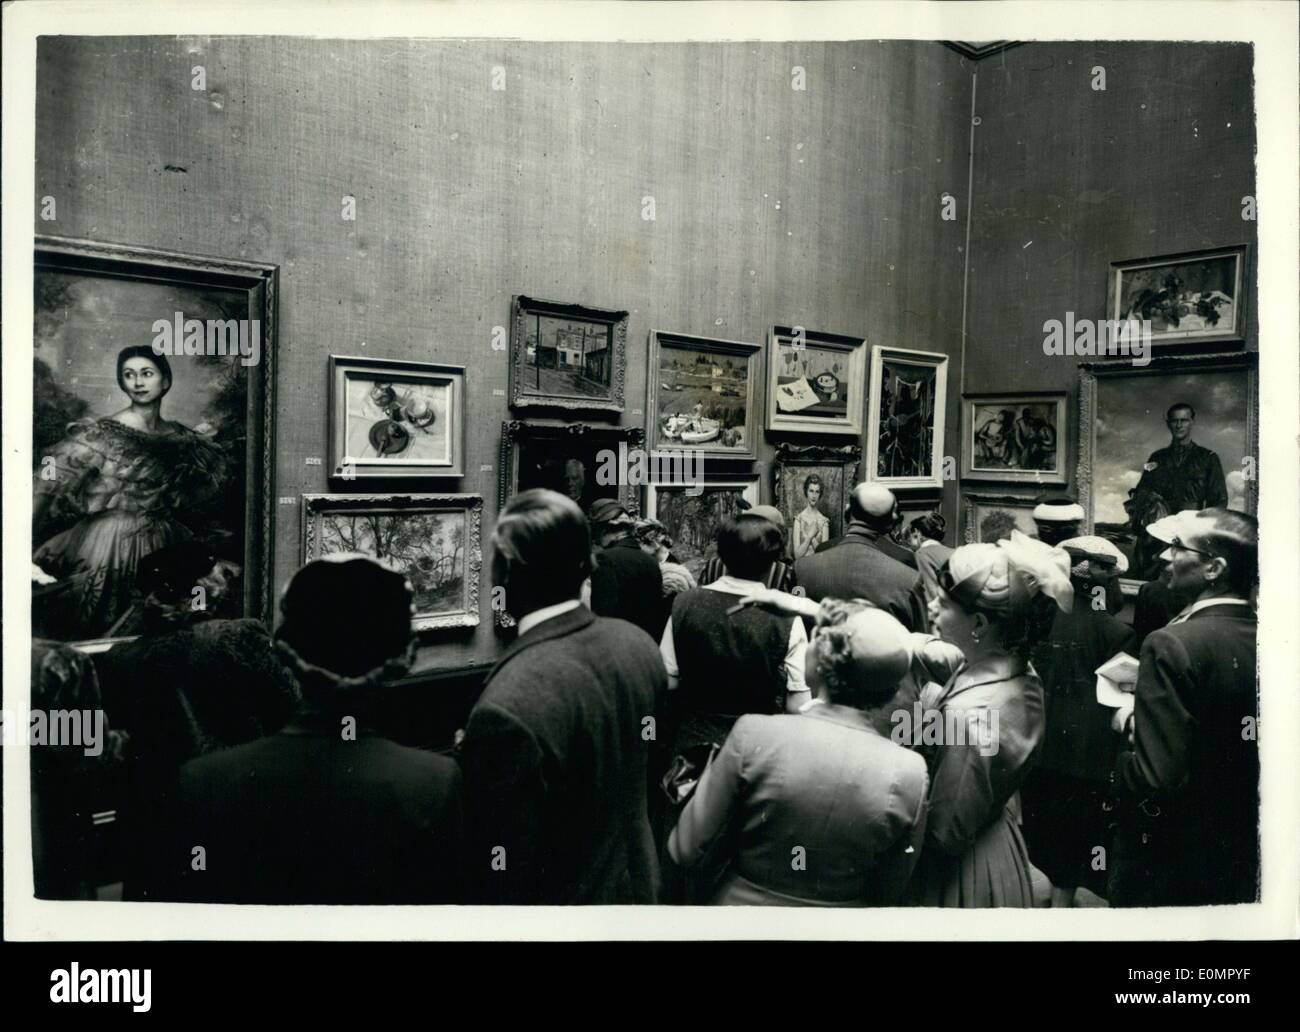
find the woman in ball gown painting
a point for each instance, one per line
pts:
(115, 491)
(811, 527)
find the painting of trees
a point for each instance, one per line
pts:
(428, 547)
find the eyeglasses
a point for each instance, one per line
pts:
(1176, 545)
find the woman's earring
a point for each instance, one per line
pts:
(975, 638)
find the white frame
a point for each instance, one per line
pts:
(854, 348)
(880, 353)
(1235, 332)
(1013, 399)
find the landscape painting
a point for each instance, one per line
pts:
(693, 519)
(567, 356)
(702, 395)
(432, 539)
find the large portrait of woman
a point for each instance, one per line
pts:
(152, 395)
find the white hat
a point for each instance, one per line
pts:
(1093, 547)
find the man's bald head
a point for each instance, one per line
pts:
(873, 505)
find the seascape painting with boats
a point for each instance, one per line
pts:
(701, 398)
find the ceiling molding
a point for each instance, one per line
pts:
(976, 51)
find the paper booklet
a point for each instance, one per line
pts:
(1116, 680)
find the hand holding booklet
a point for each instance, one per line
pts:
(1117, 680)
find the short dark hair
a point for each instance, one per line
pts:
(812, 478)
(749, 546)
(541, 550)
(1236, 543)
(931, 525)
(1169, 412)
(144, 351)
(834, 658)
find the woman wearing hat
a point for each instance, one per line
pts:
(994, 602)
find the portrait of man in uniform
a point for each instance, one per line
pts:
(1182, 475)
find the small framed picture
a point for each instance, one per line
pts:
(566, 356)
(581, 460)
(816, 382)
(702, 395)
(693, 515)
(1014, 437)
(392, 418)
(990, 518)
(905, 433)
(432, 538)
(1198, 297)
(811, 485)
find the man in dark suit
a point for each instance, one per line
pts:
(858, 568)
(325, 811)
(1189, 833)
(626, 582)
(555, 750)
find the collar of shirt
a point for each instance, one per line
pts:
(537, 616)
(735, 586)
(1205, 603)
(928, 541)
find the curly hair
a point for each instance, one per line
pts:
(833, 659)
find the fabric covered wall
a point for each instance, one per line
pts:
(818, 207)
(1068, 179)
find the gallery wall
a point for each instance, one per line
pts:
(1068, 178)
(817, 207)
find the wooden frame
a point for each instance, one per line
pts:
(851, 380)
(1015, 401)
(523, 395)
(812, 457)
(1233, 330)
(259, 284)
(880, 355)
(316, 508)
(402, 373)
(972, 500)
(516, 434)
(1094, 374)
(661, 437)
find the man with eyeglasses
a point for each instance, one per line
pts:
(1189, 783)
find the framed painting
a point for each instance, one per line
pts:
(811, 486)
(991, 518)
(568, 458)
(1014, 438)
(153, 406)
(391, 418)
(816, 382)
(693, 516)
(911, 508)
(1198, 297)
(434, 539)
(702, 395)
(1181, 433)
(566, 356)
(905, 432)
